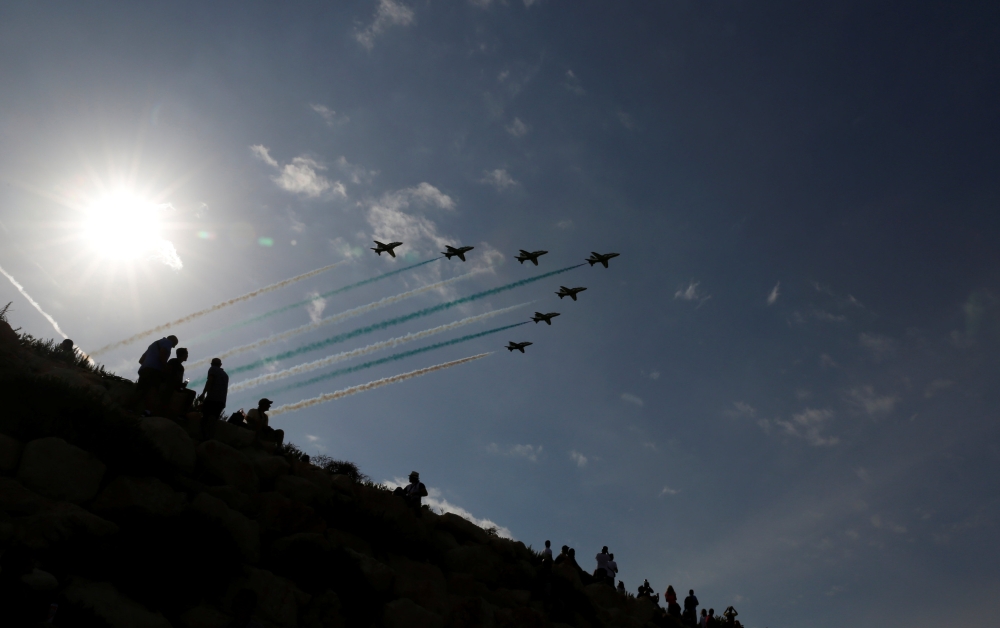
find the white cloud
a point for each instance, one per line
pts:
(329, 115)
(808, 425)
(826, 361)
(626, 120)
(691, 294)
(668, 491)
(564, 224)
(879, 523)
(572, 83)
(428, 194)
(864, 398)
(742, 409)
(499, 178)
(773, 296)
(529, 452)
(440, 505)
(517, 128)
(827, 317)
(881, 347)
(630, 398)
(311, 438)
(357, 174)
(578, 458)
(389, 13)
(316, 307)
(528, 3)
(482, 4)
(301, 176)
(937, 386)
(654, 375)
(503, 76)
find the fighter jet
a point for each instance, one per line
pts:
(385, 248)
(539, 317)
(597, 257)
(460, 251)
(525, 256)
(518, 345)
(569, 292)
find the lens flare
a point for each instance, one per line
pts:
(123, 226)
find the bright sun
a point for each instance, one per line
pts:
(123, 226)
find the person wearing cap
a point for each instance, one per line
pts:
(257, 421)
(151, 366)
(414, 491)
(214, 393)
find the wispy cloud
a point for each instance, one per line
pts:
(301, 176)
(578, 458)
(668, 491)
(630, 398)
(938, 385)
(517, 128)
(773, 296)
(626, 120)
(572, 83)
(865, 399)
(880, 347)
(499, 178)
(808, 425)
(691, 293)
(389, 13)
(565, 224)
(357, 174)
(741, 409)
(316, 307)
(329, 116)
(441, 505)
(655, 375)
(528, 452)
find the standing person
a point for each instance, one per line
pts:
(711, 621)
(691, 608)
(670, 597)
(257, 421)
(563, 555)
(151, 366)
(214, 394)
(173, 381)
(621, 587)
(601, 573)
(612, 569)
(414, 491)
(547, 553)
(703, 622)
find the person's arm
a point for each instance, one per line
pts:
(164, 355)
(423, 490)
(208, 382)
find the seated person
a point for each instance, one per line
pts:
(414, 491)
(173, 382)
(257, 421)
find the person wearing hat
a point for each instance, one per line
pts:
(414, 491)
(257, 421)
(214, 393)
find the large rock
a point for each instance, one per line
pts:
(244, 532)
(61, 522)
(10, 453)
(16, 499)
(269, 467)
(232, 435)
(462, 529)
(171, 441)
(297, 488)
(278, 599)
(237, 500)
(55, 469)
(339, 538)
(105, 601)
(205, 616)
(602, 595)
(479, 561)
(146, 495)
(379, 576)
(421, 582)
(280, 514)
(228, 465)
(405, 614)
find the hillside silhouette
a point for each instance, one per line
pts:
(129, 521)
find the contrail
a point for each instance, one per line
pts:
(372, 348)
(336, 318)
(305, 403)
(361, 331)
(217, 306)
(34, 303)
(254, 319)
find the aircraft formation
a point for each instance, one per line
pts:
(523, 256)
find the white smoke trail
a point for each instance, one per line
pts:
(217, 306)
(305, 403)
(34, 303)
(372, 348)
(336, 318)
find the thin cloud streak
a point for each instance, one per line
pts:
(33, 303)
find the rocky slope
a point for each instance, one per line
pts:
(126, 521)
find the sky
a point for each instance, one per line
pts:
(778, 395)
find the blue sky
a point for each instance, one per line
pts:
(778, 395)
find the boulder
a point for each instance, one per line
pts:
(643, 609)
(421, 582)
(278, 599)
(269, 467)
(38, 580)
(105, 601)
(147, 495)
(602, 595)
(405, 614)
(324, 612)
(568, 572)
(297, 488)
(471, 611)
(205, 616)
(479, 561)
(10, 453)
(235, 499)
(244, 532)
(228, 465)
(462, 529)
(171, 441)
(343, 484)
(55, 469)
(280, 514)
(339, 538)
(61, 522)
(15, 499)
(510, 598)
(232, 435)
(379, 576)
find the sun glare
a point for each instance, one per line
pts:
(123, 226)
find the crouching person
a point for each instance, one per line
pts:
(257, 421)
(413, 492)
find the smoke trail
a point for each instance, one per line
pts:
(305, 403)
(336, 318)
(34, 303)
(361, 331)
(372, 348)
(217, 306)
(260, 317)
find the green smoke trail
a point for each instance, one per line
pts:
(390, 358)
(260, 317)
(361, 331)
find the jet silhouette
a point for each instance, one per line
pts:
(385, 248)
(597, 257)
(525, 256)
(569, 292)
(539, 317)
(517, 345)
(460, 252)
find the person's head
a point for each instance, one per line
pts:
(414, 476)
(691, 592)
(216, 362)
(670, 589)
(645, 582)
(572, 552)
(604, 550)
(548, 543)
(565, 549)
(182, 354)
(264, 404)
(711, 612)
(173, 340)
(704, 612)
(66, 345)
(612, 556)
